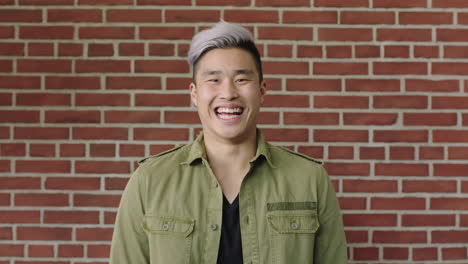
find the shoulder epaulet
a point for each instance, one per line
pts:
(159, 154)
(302, 155)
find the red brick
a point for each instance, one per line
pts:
(400, 101)
(74, 15)
(72, 116)
(70, 251)
(401, 169)
(367, 17)
(173, 33)
(7, 32)
(20, 82)
(41, 251)
(12, 49)
(455, 52)
(427, 220)
(420, 85)
(425, 253)
(94, 234)
(161, 134)
(286, 134)
(132, 117)
(330, 135)
(312, 151)
(340, 68)
(20, 217)
(341, 3)
(109, 217)
(425, 18)
(396, 51)
(178, 83)
(100, 49)
(70, 49)
(452, 236)
(368, 253)
(355, 102)
(43, 99)
(356, 236)
(372, 85)
(72, 183)
(6, 66)
(399, 237)
(72, 82)
(455, 136)
(285, 33)
(285, 67)
(102, 150)
(309, 51)
(6, 233)
(102, 99)
(102, 166)
(339, 51)
(347, 169)
(217, 3)
(369, 220)
(12, 149)
(42, 150)
(406, 34)
(286, 101)
(280, 51)
(41, 199)
(430, 119)
(5, 166)
(449, 4)
(105, 2)
(450, 102)
(11, 250)
(426, 51)
(182, 117)
(41, 49)
(98, 251)
(19, 116)
(20, 15)
(301, 118)
(71, 217)
(116, 183)
(46, 32)
(134, 15)
(316, 85)
(345, 34)
(251, 16)
(161, 49)
(46, 2)
(45, 66)
(118, 133)
(401, 153)
(458, 153)
(462, 18)
(20, 183)
(449, 68)
(107, 33)
(372, 153)
(171, 2)
(352, 203)
(137, 83)
(162, 100)
(102, 66)
(395, 253)
(379, 119)
(131, 49)
(131, 150)
(72, 150)
(310, 17)
(191, 16)
(449, 203)
(367, 51)
(158, 148)
(454, 253)
(370, 186)
(161, 66)
(44, 166)
(431, 153)
(400, 68)
(399, 3)
(282, 3)
(96, 200)
(451, 170)
(438, 186)
(450, 35)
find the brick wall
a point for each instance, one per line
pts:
(376, 88)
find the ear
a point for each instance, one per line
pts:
(262, 90)
(193, 93)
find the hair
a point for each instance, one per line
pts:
(222, 36)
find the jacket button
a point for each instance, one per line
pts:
(165, 227)
(294, 225)
(213, 227)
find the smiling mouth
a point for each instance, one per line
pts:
(228, 113)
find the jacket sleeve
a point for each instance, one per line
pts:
(330, 244)
(129, 241)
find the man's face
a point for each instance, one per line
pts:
(228, 94)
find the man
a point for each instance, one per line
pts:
(229, 197)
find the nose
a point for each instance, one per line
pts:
(229, 90)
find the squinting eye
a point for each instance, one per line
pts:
(241, 80)
(213, 80)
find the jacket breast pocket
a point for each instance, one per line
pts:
(292, 235)
(170, 238)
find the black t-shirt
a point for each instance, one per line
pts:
(230, 246)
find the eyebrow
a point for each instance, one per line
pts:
(236, 72)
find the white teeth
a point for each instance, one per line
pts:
(227, 116)
(229, 110)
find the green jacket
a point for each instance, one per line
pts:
(171, 210)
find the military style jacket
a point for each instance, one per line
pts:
(171, 210)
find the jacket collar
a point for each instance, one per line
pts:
(197, 151)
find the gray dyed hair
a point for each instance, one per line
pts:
(223, 35)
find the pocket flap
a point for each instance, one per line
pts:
(169, 225)
(293, 222)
